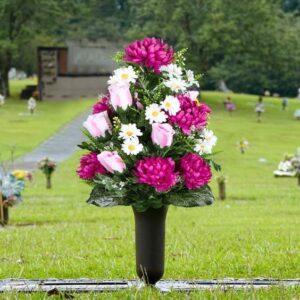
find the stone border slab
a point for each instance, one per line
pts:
(89, 285)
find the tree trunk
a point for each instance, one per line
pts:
(6, 89)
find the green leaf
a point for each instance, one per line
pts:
(192, 198)
(103, 198)
(87, 146)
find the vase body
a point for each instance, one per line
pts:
(150, 243)
(5, 215)
(48, 182)
(222, 190)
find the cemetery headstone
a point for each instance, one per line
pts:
(31, 105)
(284, 103)
(297, 114)
(259, 108)
(2, 100)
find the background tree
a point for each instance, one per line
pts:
(252, 45)
(24, 22)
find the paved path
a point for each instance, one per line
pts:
(58, 147)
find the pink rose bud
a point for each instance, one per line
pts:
(162, 134)
(139, 105)
(192, 95)
(120, 95)
(111, 161)
(98, 124)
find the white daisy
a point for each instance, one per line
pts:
(207, 142)
(154, 114)
(191, 78)
(113, 80)
(171, 105)
(172, 70)
(176, 85)
(129, 131)
(202, 147)
(132, 146)
(209, 137)
(123, 75)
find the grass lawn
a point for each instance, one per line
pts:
(24, 132)
(254, 233)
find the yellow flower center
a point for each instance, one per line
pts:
(124, 76)
(168, 104)
(131, 147)
(129, 133)
(155, 114)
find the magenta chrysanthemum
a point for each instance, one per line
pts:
(191, 115)
(158, 172)
(195, 171)
(150, 52)
(101, 105)
(89, 166)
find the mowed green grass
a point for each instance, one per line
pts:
(254, 233)
(22, 131)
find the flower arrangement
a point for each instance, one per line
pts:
(289, 166)
(243, 145)
(11, 187)
(148, 141)
(47, 166)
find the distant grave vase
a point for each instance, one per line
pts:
(222, 190)
(48, 182)
(5, 215)
(150, 243)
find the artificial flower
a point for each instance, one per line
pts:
(162, 134)
(208, 141)
(132, 146)
(171, 104)
(176, 85)
(120, 96)
(123, 75)
(192, 95)
(155, 114)
(172, 70)
(191, 78)
(98, 124)
(129, 131)
(101, 105)
(149, 52)
(20, 174)
(195, 171)
(191, 116)
(157, 172)
(111, 161)
(89, 166)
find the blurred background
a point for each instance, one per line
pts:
(244, 46)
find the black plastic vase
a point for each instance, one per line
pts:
(150, 243)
